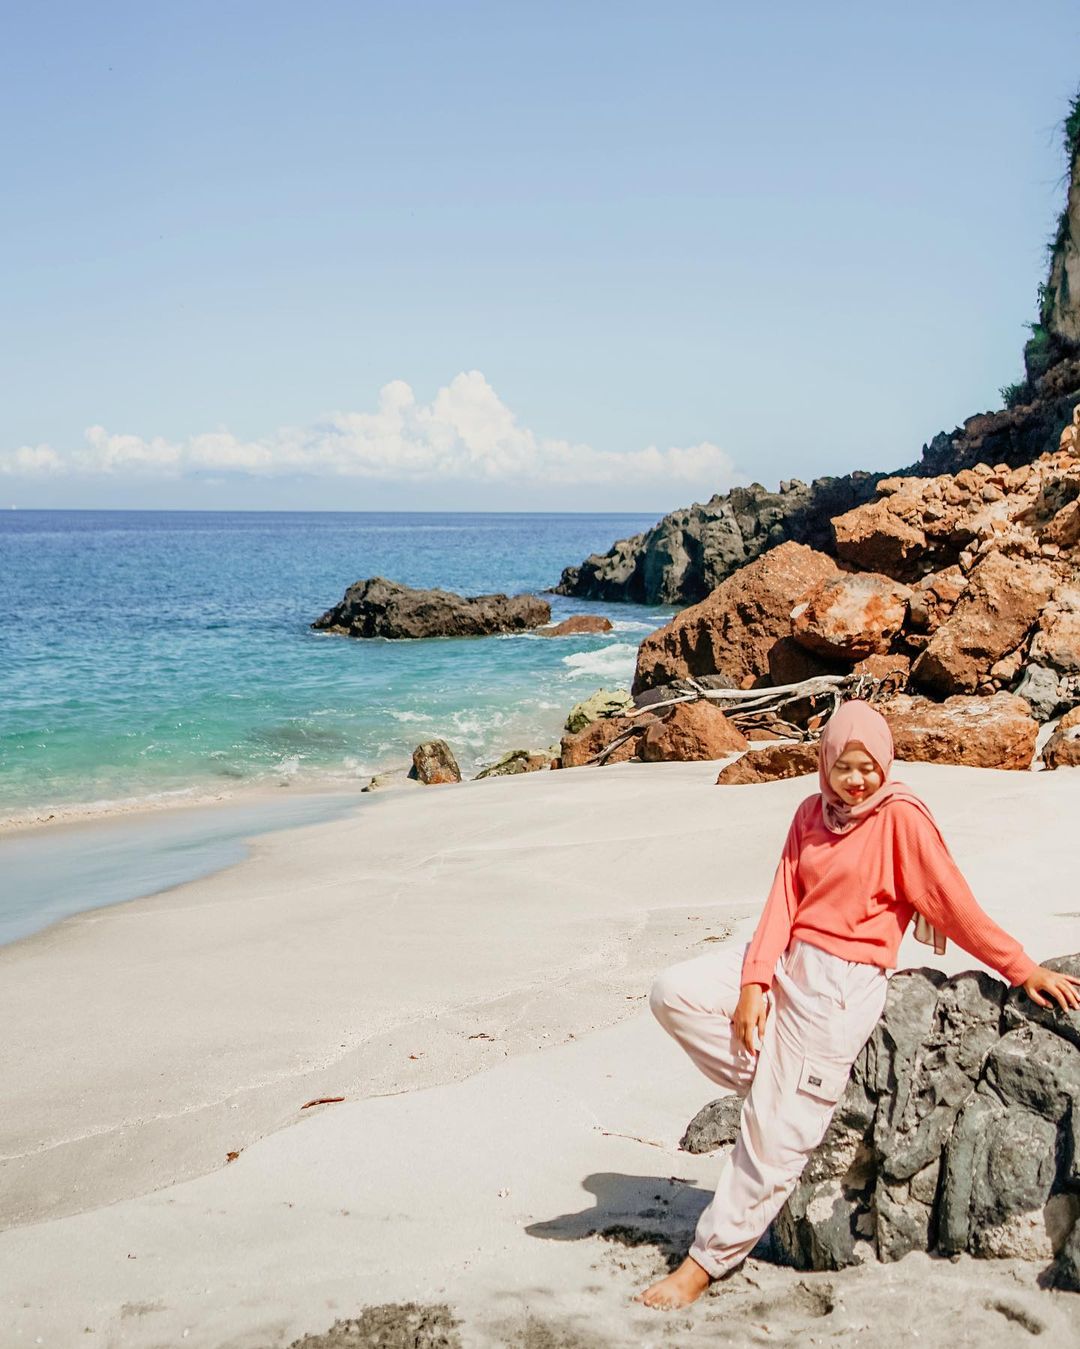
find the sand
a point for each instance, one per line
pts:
(467, 966)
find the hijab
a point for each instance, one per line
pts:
(857, 723)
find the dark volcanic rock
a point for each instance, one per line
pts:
(381, 608)
(714, 1126)
(959, 1131)
(689, 552)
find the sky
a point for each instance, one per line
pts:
(528, 255)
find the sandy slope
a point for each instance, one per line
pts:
(155, 1037)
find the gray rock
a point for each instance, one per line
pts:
(602, 703)
(1037, 1069)
(1040, 688)
(1066, 1271)
(689, 552)
(516, 761)
(1019, 1010)
(959, 1131)
(912, 1126)
(714, 1126)
(381, 608)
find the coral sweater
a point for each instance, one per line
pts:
(854, 894)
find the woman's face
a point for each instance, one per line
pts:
(855, 777)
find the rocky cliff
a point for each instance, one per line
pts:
(690, 552)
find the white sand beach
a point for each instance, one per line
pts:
(467, 967)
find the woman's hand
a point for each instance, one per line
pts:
(1064, 987)
(750, 1016)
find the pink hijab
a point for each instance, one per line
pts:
(857, 723)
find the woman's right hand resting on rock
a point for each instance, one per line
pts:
(750, 1016)
(1065, 988)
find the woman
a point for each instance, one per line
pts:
(782, 1019)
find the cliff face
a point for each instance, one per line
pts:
(688, 553)
(1061, 294)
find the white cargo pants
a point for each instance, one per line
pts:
(821, 1011)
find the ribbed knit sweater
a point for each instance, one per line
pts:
(854, 894)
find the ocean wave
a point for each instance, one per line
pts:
(411, 716)
(634, 625)
(609, 662)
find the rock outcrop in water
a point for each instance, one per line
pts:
(381, 608)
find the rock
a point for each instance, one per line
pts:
(597, 706)
(434, 763)
(514, 762)
(387, 781)
(575, 624)
(958, 1132)
(1041, 690)
(580, 748)
(381, 608)
(999, 1175)
(688, 553)
(995, 731)
(714, 1126)
(848, 617)
(1062, 750)
(1056, 643)
(992, 617)
(895, 668)
(790, 663)
(732, 632)
(790, 760)
(932, 601)
(691, 731)
(912, 1125)
(875, 538)
(1019, 1010)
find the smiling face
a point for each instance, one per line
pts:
(855, 777)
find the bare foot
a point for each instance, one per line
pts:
(679, 1289)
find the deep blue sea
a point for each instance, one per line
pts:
(146, 654)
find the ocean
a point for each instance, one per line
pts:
(147, 656)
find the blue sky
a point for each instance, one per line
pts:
(510, 256)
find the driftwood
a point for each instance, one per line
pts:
(792, 711)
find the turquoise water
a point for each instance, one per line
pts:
(150, 653)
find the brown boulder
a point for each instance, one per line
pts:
(875, 537)
(895, 668)
(992, 617)
(934, 598)
(1057, 640)
(732, 631)
(692, 730)
(585, 745)
(433, 763)
(1062, 750)
(793, 760)
(575, 624)
(850, 616)
(790, 663)
(991, 732)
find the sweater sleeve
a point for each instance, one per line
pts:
(771, 935)
(934, 885)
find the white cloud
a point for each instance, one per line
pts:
(465, 434)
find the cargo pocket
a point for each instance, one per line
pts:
(823, 1080)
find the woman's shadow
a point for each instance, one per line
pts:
(658, 1211)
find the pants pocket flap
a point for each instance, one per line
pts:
(824, 1080)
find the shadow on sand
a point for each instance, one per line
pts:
(658, 1211)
